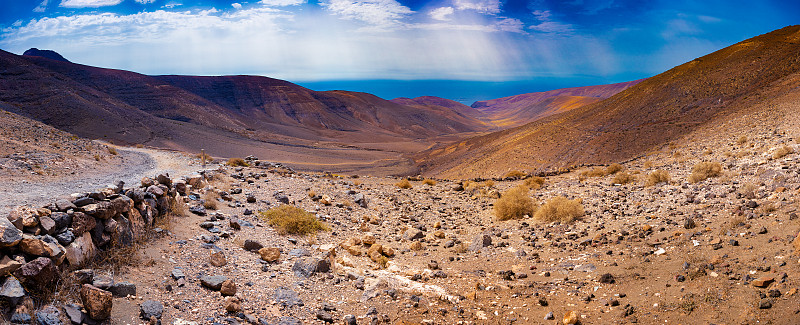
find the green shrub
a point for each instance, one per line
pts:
(287, 219)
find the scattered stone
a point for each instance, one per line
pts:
(607, 278)
(252, 245)
(49, 315)
(324, 316)
(765, 303)
(123, 289)
(270, 254)
(763, 282)
(12, 290)
(232, 305)
(549, 316)
(413, 234)
(480, 242)
(9, 234)
(150, 309)
(286, 297)
(213, 282)
(228, 288)
(97, 302)
(571, 318)
(308, 266)
(217, 258)
(688, 223)
(8, 266)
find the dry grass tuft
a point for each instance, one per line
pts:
(237, 162)
(782, 152)
(210, 200)
(429, 182)
(514, 174)
(288, 219)
(560, 209)
(623, 178)
(657, 177)
(742, 140)
(648, 164)
(534, 182)
(404, 184)
(613, 169)
(113, 151)
(594, 172)
(514, 204)
(704, 170)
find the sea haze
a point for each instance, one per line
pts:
(465, 92)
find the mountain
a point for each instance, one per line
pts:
(699, 94)
(521, 109)
(228, 116)
(442, 103)
(49, 54)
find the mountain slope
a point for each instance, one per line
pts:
(521, 109)
(635, 121)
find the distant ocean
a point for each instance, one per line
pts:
(465, 92)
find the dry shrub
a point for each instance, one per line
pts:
(112, 151)
(514, 204)
(704, 170)
(623, 178)
(594, 172)
(287, 219)
(648, 164)
(471, 186)
(237, 162)
(782, 152)
(210, 200)
(613, 169)
(429, 182)
(742, 140)
(560, 209)
(207, 157)
(657, 177)
(534, 182)
(404, 184)
(514, 174)
(139, 145)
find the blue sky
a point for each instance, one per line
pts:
(457, 47)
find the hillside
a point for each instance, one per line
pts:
(517, 110)
(228, 116)
(698, 94)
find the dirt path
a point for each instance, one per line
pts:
(136, 163)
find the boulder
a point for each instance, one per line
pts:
(100, 210)
(413, 234)
(81, 250)
(12, 290)
(213, 282)
(217, 258)
(308, 266)
(61, 219)
(39, 273)
(49, 315)
(252, 245)
(164, 179)
(10, 235)
(122, 204)
(270, 254)
(8, 266)
(228, 288)
(97, 302)
(24, 216)
(122, 289)
(48, 225)
(82, 223)
(479, 242)
(361, 200)
(150, 309)
(64, 205)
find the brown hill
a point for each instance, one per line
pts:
(228, 116)
(661, 109)
(432, 101)
(517, 110)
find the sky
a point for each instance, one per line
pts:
(464, 50)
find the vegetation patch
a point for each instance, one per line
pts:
(613, 169)
(404, 184)
(287, 219)
(657, 177)
(534, 182)
(705, 170)
(782, 152)
(623, 178)
(237, 162)
(514, 204)
(514, 174)
(429, 182)
(560, 209)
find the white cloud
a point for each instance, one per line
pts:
(42, 6)
(171, 5)
(374, 12)
(441, 13)
(88, 3)
(482, 6)
(236, 5)
(144, 2)
(283, 3)
(548, 25)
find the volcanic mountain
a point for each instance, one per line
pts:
(702, 93)
(521, 109)
(228, 115)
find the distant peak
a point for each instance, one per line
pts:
(48, 54)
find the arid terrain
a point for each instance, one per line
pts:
(670, 201)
